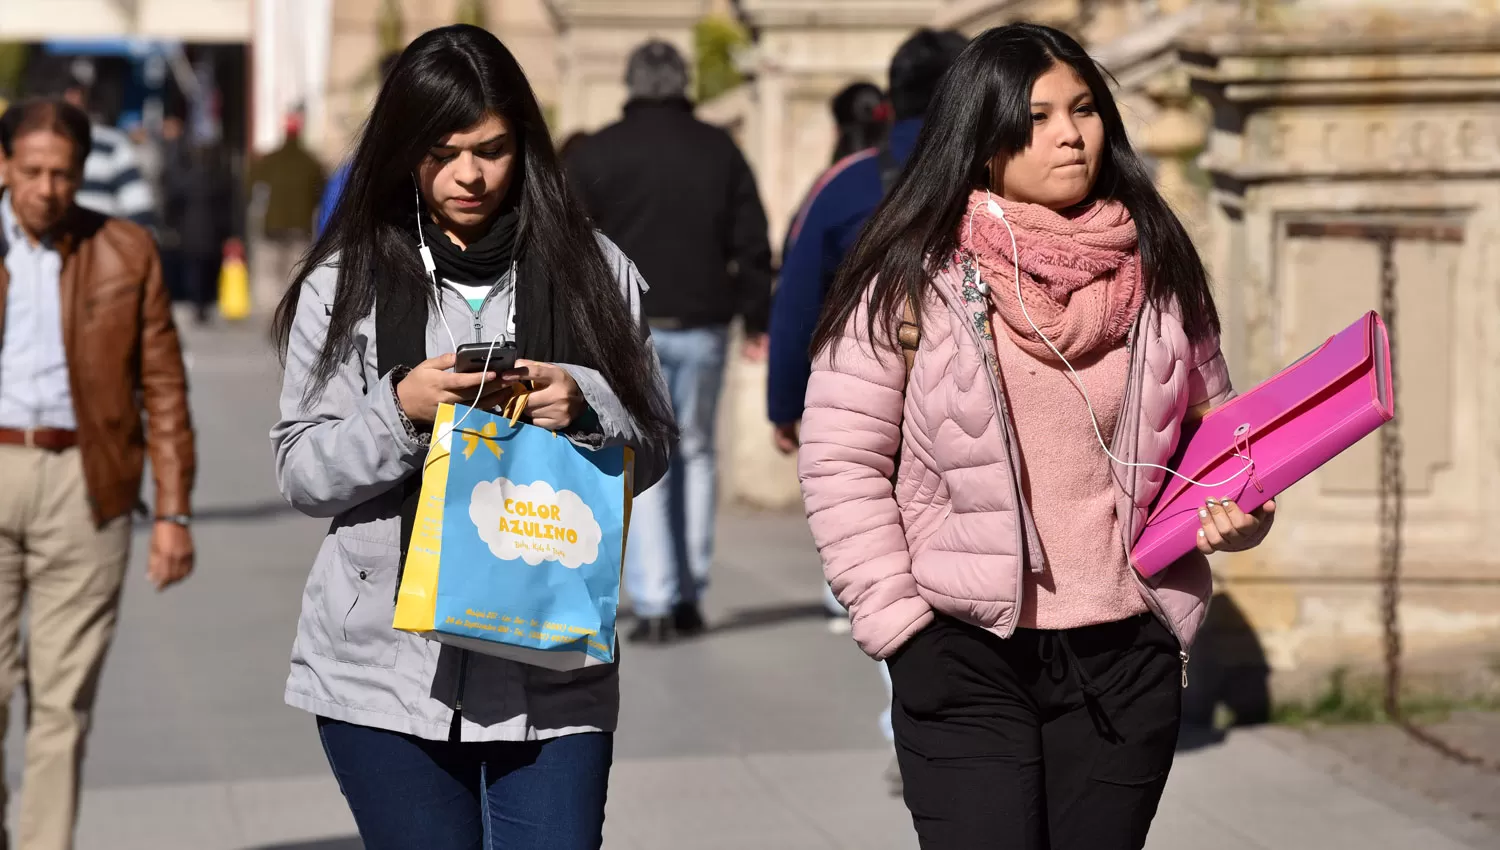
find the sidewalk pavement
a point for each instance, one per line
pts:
(761, 735)
(1246, 794)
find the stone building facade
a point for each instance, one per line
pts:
(1334, 127)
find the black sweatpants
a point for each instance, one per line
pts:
(1050, 740)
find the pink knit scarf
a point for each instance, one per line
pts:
(1080, 275)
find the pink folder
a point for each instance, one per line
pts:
(1287, 427)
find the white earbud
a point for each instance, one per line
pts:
(427, 262)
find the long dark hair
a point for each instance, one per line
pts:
(983, 109)
(860, 114)
(445, 81)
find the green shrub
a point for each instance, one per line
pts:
(716, 39)
(12, 66)
(1342, 703)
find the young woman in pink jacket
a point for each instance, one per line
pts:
(975, 509)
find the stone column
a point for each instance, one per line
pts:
(1327, 115)
(807, 51)
(1174, 137)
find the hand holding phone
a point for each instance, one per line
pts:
(430, 384)
(485, 357)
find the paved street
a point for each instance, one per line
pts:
(761, 736)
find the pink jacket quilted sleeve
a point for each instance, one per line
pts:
(1209, 381)
(851, 431)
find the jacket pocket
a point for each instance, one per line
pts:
(359, 593)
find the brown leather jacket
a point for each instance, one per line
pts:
(123, 360)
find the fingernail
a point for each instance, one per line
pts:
(1203, 513)
(1201, 533)
(1228, 504)
(1213, 501)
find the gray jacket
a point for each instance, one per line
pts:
(341, 456)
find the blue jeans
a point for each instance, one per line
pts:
(409, 792)
(672, 525)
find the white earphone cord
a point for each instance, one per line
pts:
(430, 265)
(999, 212)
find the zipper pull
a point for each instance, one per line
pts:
(1184, 656)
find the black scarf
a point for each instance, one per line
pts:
(542, 331)
(484, 260)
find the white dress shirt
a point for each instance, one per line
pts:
(34, 388)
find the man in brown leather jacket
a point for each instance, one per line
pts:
(87, 348)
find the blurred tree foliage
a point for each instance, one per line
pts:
(472, 12)
(12, 65)
(716, 39)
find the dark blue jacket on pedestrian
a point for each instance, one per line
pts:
(836, 209)
(331, 193)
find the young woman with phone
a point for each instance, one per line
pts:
(974, 508)
(456, 227)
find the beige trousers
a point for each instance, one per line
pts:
(69, 573)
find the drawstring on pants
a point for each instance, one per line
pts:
(1073, 668)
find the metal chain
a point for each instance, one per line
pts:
(1392, 492)
(1393, 524)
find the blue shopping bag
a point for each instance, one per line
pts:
(526, 531)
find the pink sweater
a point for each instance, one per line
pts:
(1065, 476)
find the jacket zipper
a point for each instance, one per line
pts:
(463, 675)
(1022, 548)
(1137, 363)
(476, 315)
(463, 654)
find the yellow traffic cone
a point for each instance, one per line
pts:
(234, 282)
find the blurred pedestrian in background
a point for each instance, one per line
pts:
(831, 218)
(862, 116)
(287, 184)
(825, 228)
(570, 145)
(677, 196)
(199, 193)
(959, 483)
(113, 182)
(91, 383)
(148, 151)
(166, 148)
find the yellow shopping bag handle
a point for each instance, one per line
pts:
(516, 404)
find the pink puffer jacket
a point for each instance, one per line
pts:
(949, 535)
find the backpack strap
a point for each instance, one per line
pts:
(909, 335)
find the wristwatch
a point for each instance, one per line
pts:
(183, 520)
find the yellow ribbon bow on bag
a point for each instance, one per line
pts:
(487, 434)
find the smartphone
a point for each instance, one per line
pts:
(484, 357)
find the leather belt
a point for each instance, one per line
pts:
(46, 439)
